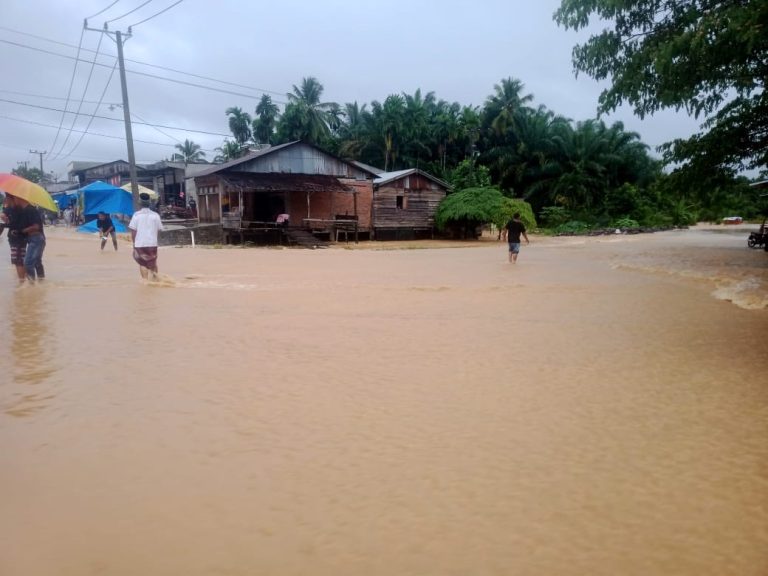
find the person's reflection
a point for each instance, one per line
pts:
(30, 350)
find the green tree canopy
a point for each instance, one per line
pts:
(239, 124)
(473, 206)
(32, 174)
(265, 121)
(306, 117)
(229, 150)
(189, 152)
(709, 57)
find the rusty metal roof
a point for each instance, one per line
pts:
(250, 182)
(387, 177)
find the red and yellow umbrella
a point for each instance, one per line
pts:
(26, 190)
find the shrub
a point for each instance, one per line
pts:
(626, 223)
(554, 216)
(572, 227)
(510, 206)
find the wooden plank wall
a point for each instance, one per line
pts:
(421, 198)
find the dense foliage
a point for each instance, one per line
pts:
(32, 174)
(709, 57)
(567, 171)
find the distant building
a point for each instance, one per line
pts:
(169, 179)
(404, 204)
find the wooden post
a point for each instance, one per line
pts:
(357, 218)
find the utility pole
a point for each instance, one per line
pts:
(42, 174)
(119, 39)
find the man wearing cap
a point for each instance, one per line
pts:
(144, 226)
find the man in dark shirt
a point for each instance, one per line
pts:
(17, 240)
(33, 230)
(106, 228)
(513, 230)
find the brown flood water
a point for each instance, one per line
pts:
(599, 409)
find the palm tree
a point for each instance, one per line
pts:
(504, 106)
(352, 132)
(239, 124)
(386, 121)
(266, 118)
(308, 117)
(229, 150)
(189, 152)
(415, 130)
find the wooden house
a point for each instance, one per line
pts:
(404, 204)
(317, 190)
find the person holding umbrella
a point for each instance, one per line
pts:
(17, 241)
(26, 223)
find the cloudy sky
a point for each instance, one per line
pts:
(360, 50)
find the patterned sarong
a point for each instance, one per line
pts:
(146, 257)
(18, 253)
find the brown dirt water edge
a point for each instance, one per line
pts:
(600, 408)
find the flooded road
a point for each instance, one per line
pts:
(600, 408)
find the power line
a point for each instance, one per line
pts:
(131, 11)
(90, 120)
(156, 128)
(80, 105)
(136, 72)
(69, 91)
(110, 104)
(119, 120)
(165, 68)
(44, 97)
(112, 136)
(158, 14)
(104, 10)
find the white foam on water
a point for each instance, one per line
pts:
(749, 293)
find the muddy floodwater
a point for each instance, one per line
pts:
(601, 408)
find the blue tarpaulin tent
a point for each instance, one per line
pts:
(102, 197)
(65, 200)
(90, 227)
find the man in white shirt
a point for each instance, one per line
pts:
(144, 226)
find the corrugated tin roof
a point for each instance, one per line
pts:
(368, 168)
(387, 177)
(247, 158)
(249, 182)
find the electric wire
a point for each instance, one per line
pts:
(45, 97)
(147, 123)
(98, 134)
(37, 106)
(69, 93)
(96, 109)
(80, 105)
(137, 73)
(104, 10)
(158, 14)
(110, 104)
(131, 11)
(141, 63)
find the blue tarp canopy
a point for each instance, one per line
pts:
(102, 197)
(65, 200)
(90, 227)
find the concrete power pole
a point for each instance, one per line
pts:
(119, 38)
(42, 174)
(127, 117)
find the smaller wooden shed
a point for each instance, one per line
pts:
(404, 204)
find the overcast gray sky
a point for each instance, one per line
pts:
(363, 50)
